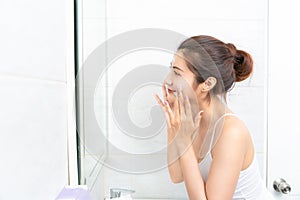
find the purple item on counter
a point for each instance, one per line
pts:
(77, 193)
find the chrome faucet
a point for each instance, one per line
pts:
(119, 192)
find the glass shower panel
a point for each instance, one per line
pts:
(91, 90)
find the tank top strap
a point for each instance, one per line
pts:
(215, 126)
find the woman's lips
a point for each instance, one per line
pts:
(170, 91)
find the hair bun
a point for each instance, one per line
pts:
(243, 65)
(232, 48)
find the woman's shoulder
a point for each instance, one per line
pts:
(232, 125)
(233, 133)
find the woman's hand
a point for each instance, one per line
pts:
(181, 125)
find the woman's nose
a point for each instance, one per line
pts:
(168, 80)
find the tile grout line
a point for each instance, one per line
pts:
(28, 77)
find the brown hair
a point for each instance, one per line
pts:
(207, 56)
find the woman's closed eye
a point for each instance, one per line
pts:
(175, 70)
(176, 73)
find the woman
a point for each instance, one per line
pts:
(209, 147)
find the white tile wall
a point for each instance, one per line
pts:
(33, 138)
(33, 96)
(94, 34)
(94, 9)
(189, 9)
(240, 23)
(249, 37)
(33, 39)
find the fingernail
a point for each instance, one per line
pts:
(201, 113)
(186, 97)
(165, 102)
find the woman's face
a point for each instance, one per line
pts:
(180, 77)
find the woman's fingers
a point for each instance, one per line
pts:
(181, 104)
(165, 105)
(169, 110)
(166, 108)
(159, 101)
(188, 109)
(168, 120)
(176, 109)
(164, 91)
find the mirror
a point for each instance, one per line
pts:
(124, 49)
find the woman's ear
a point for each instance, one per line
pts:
(209, 84)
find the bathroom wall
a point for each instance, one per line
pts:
(34, 122)
(283, 97)
(242, 23)
(34, 86)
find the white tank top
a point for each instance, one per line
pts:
(250, 185)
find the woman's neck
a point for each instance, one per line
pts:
(212, 111)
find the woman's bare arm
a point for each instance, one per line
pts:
(228, 156)
(192, 177)
(173, 161)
